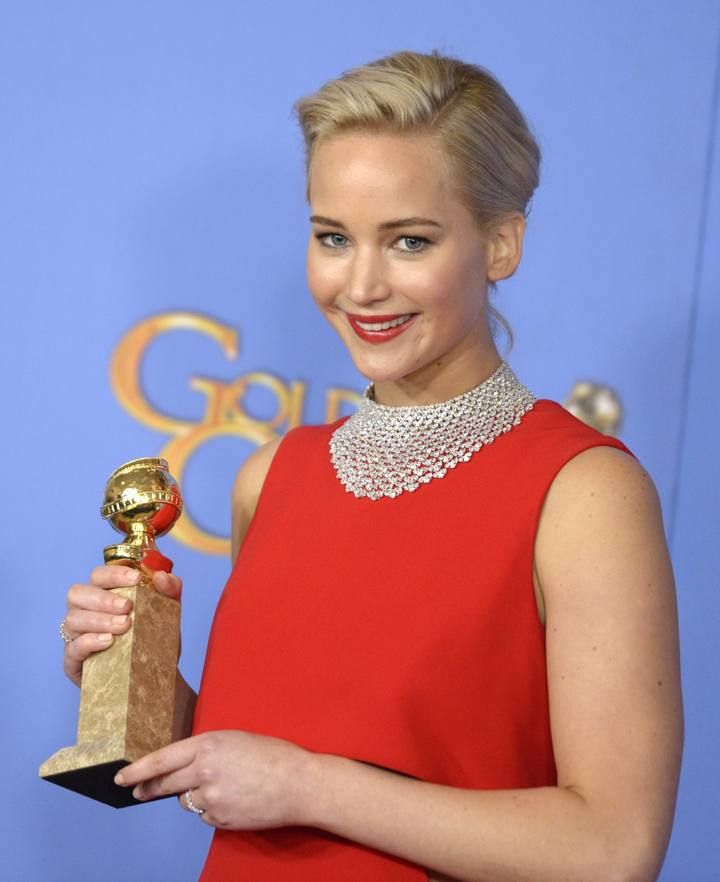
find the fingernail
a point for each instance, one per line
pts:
(104, 638)
(119, 602)
(136, 793)
(119, 620)
(119, 778)
(132, 577)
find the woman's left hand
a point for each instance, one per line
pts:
(241, 780)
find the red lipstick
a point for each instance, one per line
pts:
(379, 335)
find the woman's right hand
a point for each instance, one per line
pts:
(95, 615)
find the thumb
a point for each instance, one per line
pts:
(168, 584)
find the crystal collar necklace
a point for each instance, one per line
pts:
(383, 450)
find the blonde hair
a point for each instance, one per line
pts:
(485, 139)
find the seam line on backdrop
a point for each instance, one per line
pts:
(695, 297)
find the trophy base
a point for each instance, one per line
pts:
(89, 769)
(127, 701)
(97, 783)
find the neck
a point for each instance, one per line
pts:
(439, 381)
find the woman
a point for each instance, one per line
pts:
(448, 645)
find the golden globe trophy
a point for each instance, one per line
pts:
(128, 690)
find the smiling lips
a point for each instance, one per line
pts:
(380, 328)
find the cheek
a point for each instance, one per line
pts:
(441, 289)
(324, 281)
(317, 282)
(451, 298)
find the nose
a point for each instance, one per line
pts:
(366, 282)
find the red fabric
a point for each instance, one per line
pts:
(401, 632)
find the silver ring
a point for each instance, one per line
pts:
(66, 638)
(190, 804)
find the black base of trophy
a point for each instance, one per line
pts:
(97, 783)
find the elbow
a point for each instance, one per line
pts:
(634, 858)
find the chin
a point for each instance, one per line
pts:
(388, 373)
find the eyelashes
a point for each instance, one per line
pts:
(425, 243)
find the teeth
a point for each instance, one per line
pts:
(384, 326)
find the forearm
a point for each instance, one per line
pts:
(545, 834)
(185, 698)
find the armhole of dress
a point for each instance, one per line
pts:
(603, 441)
(269, 476)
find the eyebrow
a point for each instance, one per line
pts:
(387, 225)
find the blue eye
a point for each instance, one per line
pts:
(423, 243)
(321, 236)
(420, 240)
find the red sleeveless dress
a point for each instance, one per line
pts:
(401, 632)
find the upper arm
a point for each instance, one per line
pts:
(612, 645)
(246, 491)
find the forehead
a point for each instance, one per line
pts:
(369, 166)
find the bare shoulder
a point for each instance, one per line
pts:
(596, 496)
(607, 467)
(246, 490)
(251, 474)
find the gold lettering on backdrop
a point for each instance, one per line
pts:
(335, 398)
(224, 413)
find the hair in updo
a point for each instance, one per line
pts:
(492, 154)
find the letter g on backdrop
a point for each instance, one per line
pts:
(224, 412)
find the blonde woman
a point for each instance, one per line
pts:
(448, 646)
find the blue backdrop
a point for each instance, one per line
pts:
(151, 169)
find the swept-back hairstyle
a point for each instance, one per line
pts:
(492, 155)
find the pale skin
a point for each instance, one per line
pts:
(603, 579)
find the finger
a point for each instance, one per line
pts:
(114, 576)
(81, 621)
(199, 803)
(79, 649)
(84, 645)
(168, 584)
(165, 785)
(98, 599)
(160, 762)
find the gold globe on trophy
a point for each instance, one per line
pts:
(142, 501)
(128, 690)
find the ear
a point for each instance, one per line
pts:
(504, 247)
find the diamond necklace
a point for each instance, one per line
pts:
(382, 450)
